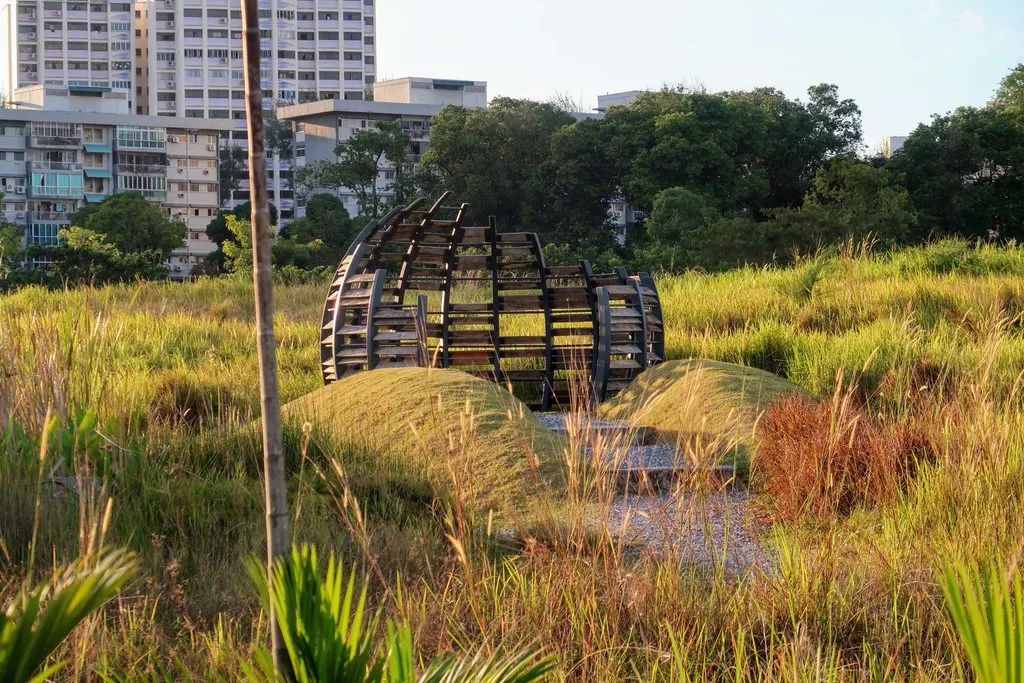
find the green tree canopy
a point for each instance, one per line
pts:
(132, 224)
(743, 151)
(488, 156)
(84, 256)
(1009, 96)
(327, 222)
(232, 169)
(965, 174)
(286, 251)
(358, 165)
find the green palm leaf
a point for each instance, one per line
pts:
(41, 618)
(987, 608)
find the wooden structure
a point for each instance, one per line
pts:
(418, 287)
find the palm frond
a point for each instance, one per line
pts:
(987, 607)
(42, 617)
(323, 621)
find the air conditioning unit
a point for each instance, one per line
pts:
(223, 20)
(181, 194)
(19, 214)
(223, 60)
(212, 148)
(206, 171)
(177, 269)
(170, 83)
(20, 189)
(181, 170)
(9, 188)
(31, 34)
(172, 138)
(58, 13)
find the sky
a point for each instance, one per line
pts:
(900, 60)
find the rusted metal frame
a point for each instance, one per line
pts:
(356, 253)
(376, 289)
(492, 223)
(454, 239)
(658, 335)
(413, 248)
(587, 272)
(421, 330)
(643, 325)
(549, 334)
(602, 344)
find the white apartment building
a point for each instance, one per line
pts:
(84, 44)
(320, 126)
(60, 150)
(312, 50)
(892, 144)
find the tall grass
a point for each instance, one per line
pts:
(154, 390)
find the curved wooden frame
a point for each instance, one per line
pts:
(601, 328)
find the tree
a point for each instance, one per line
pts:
(567, 196)
(285, 251)
(358, 167)
(487, 156)
(678, 225)
(10, 243)
(965, 174)
(1009, 96)
(132, 223)
(231, 169)
(83, 256)
(744, 151)
(217, 231)
(280, 137)
(326, 221)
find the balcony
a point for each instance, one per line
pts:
(55, 166)
(56, 191)
(141, 169)
(56, 141)
(49, 216)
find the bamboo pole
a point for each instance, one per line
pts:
(270, 401)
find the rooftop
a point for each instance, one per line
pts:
(98, 118)
(296, 111)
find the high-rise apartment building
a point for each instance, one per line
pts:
(84, 44)
(312, 50)
(60, 150)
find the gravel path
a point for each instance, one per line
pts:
(710, 529)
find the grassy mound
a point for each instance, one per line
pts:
(717, 403)
(464, 435)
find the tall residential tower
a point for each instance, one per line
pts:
(312, 50)
(86, 45)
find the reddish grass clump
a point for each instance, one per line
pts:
(823, 459)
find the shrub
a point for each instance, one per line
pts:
(822, 460)
(182, 399)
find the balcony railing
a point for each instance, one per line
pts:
(49, 216)
(56, 191)
(141, 169)
(54, 141)
(56, 166)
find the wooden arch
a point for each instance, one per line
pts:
(417, 287)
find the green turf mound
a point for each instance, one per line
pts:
(682, 398)
(456, 429)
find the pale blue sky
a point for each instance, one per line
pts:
(901, 60)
